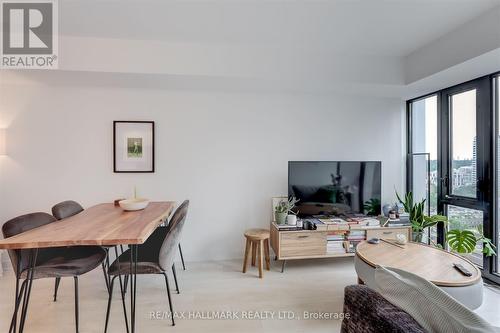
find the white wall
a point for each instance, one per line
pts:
(226, 152)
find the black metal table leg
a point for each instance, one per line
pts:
(133, 284)
(27, 292)
(77, 310)
(19, 294)
(56, 287)
(283, 266)
(122, 291)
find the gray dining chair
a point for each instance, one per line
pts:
(67, 209)
(155, 256)
(56, 262)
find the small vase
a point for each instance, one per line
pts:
(280, 217)
(417, 236)
(291, 219)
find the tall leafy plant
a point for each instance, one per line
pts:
(419, 221)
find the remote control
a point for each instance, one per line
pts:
(462, 269)
(374, 241)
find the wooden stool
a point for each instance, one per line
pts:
(258, 241)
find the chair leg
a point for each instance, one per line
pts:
(56, 287)
(169, 299)
(77, 322)
(182, 257)
(175, 279)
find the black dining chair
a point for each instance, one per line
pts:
(155, 256)
(64, 210)
(54, 262)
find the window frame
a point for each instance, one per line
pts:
(487, 192)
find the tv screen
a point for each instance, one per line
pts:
(335, 187)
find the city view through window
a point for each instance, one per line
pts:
(463, 157)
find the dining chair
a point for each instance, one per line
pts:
(155, 256)
(64, 210)
(53, 262)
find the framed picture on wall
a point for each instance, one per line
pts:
(133, 146)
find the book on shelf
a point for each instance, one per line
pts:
(336, 221)
(319, 225)
(356, 239)
(354, 232)
(286, 227)
(335, 247)
(335, 238)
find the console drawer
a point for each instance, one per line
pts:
(296, 244)
(387, 233)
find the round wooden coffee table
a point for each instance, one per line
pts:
(428, 262)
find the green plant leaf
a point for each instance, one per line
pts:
(461, 241)
(489, 249)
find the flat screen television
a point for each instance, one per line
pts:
(335, 187)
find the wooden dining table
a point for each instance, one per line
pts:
(103, 224)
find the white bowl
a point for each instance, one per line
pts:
(133, 204)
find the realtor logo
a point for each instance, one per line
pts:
(29, 34)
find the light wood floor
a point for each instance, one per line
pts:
(314, 286)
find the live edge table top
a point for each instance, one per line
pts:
(103, 224)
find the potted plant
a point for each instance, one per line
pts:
(283, 208)
(465, 241)
(419, 221)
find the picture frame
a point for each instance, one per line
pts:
(133, 146)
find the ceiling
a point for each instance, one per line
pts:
(370, 27)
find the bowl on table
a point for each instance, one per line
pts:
(133, 204)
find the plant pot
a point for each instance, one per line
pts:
(280, 217)
(416, 236)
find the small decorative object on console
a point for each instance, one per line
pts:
(401, 239)
(284, 208)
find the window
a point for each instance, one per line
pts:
(423, 155)
(454, 160)
(463, 143)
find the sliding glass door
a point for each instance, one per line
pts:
(465, 158)
(452, 160)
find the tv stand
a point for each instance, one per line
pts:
(310, 244)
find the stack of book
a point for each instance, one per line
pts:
(336, 235)
(356, 235)
(320, 226)
(286, 227)
(335, 247)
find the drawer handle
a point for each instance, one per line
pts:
(303, 236)
(387, 232)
